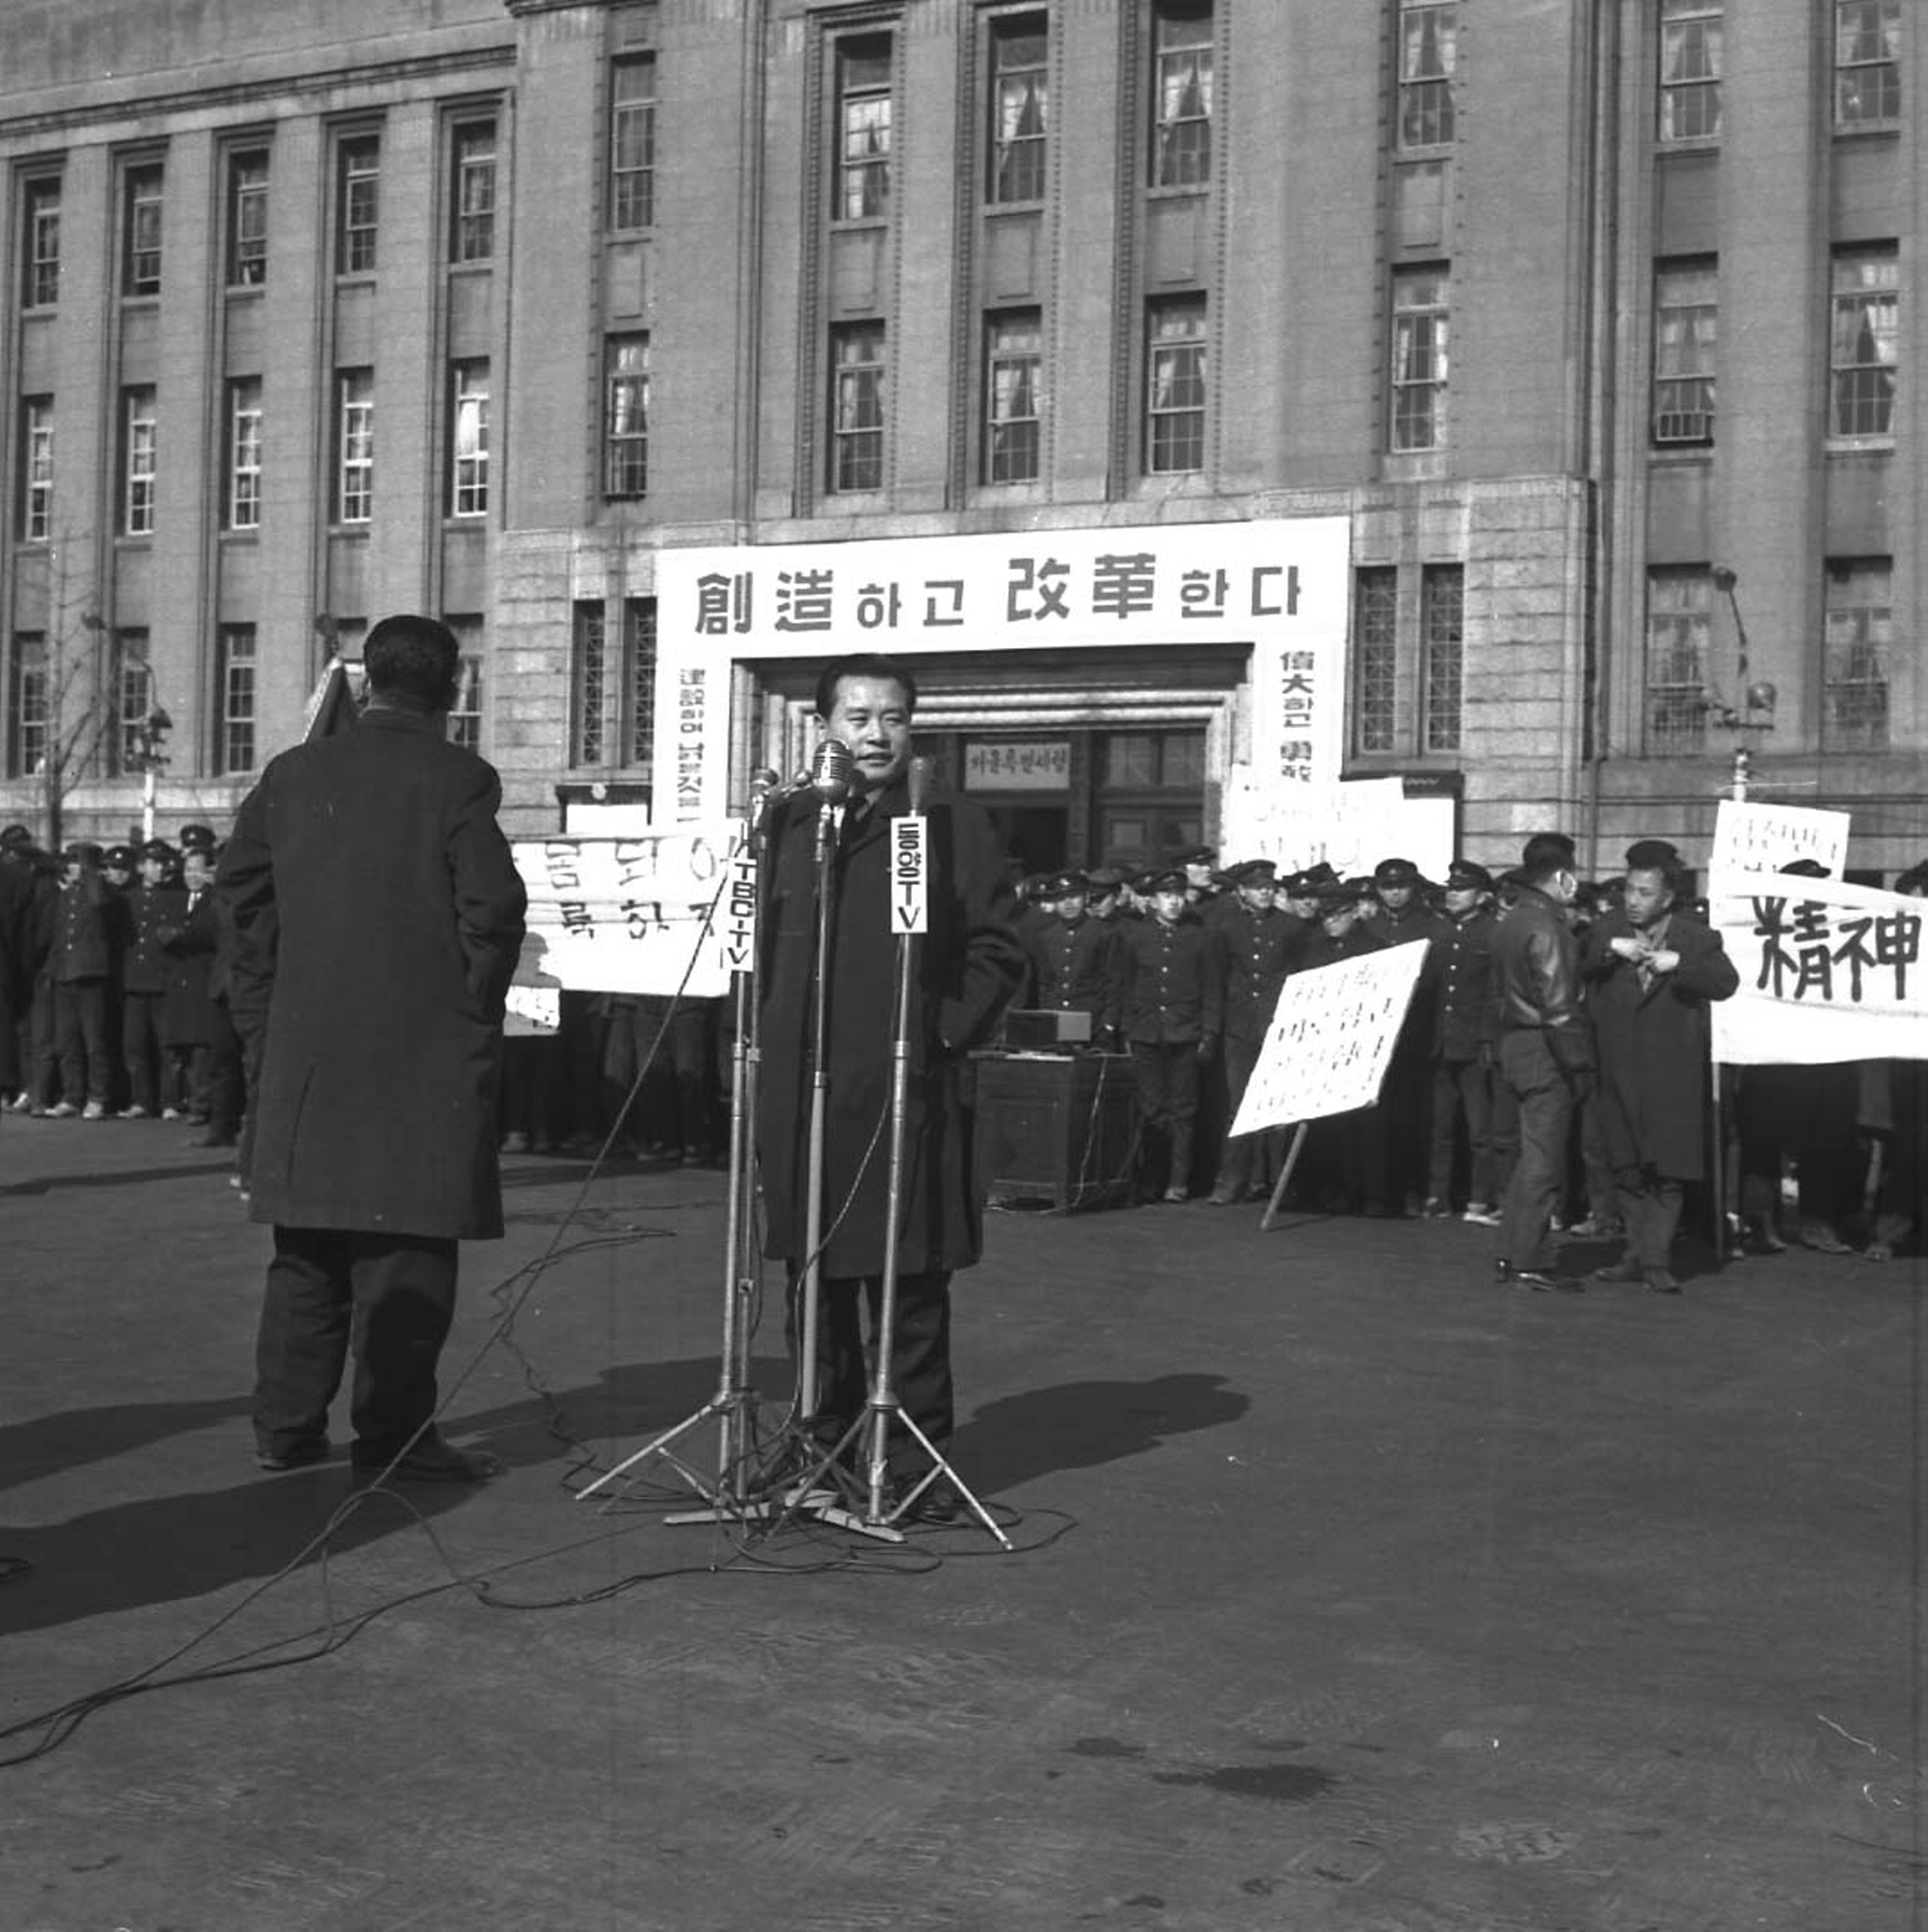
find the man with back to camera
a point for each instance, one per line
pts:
(378, 917)
(969, 964)
(1545, 1052)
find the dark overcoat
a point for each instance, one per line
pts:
(187, 999)
(1653, 1042)
(968, 966)
(377, 917)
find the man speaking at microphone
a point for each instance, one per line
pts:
(969, 963)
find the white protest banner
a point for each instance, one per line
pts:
(1750, 835)
(637, 915)
(1331, 1038)
(1352, 825)
(1829, 972)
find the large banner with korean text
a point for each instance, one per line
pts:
(1278, 588)
(663, 912)
(1331, 1038)
(1829, 972)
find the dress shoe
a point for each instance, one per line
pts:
(94, 1110)
(1481, 1213)
(136, 1113)
(301, 1454)
(1175, 1194)
(62, 1109)
(1626, 1268)
(1542, 1283)
(939, 1505)
(1660, 1282)
(430, 1460)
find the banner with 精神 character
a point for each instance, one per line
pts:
(1829, 972)
(1331, 1038)
(1352, 825)
(669, 912)
(1752, 835)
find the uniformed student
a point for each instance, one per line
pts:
(153, 903)
(1072, 963)
(1465, 1036)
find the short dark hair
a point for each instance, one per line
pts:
(862, 664)
(1544, 854)
(411, 661)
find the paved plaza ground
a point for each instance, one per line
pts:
(1349, 1590)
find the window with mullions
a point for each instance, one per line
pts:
(139, 460)
(469, 439)
(134, 703)
(1376, 659)
(1443, 654)
(1686, 320)
(1678, 612)
(639, 720)
(1175, 386)
(248, 219)
(1867, 61)
(1019, 108)
(40, 286)
(358, 204)
(1866, 343)
(465, 716)
(141, 239)
(354, 445)
(1429, 39)
(626, 416)
(1181, 132)
(1420, 314)
(632, 143)
(473, 228)
(1857, 616)
(37, 469)
(244, 454)
(27, 708)
(863, 127)
(590, 688)
(1013, 365)
(857, 407)
(1690, 70)
(235, 700)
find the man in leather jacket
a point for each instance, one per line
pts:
(1545, 1052)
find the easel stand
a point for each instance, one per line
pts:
(1284, 1180)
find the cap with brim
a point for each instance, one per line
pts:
(1195, 855)
(1395, 872)
(195, 837)
(1104, 878)
(83, 853)
(1172, 879)
(1254, 872)
(157, 848)
(120, 857)
(1463, 874)
(1064, 885)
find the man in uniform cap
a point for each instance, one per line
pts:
(195, 837)
(1105, 898)
(1464, 1036)
(1196, 862)
(155, 905)
(79, 964)
(1400, 915)
(1071, 957)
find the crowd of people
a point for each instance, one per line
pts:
(1551, 1075)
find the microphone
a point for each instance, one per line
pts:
(832, 770)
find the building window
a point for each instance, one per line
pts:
(139, 451)
(864, 127)
(1151, 790)
(244, 454)
(235, 700)
(639, 678)
(1013, 365)
(469, 439)
(1019, 103)
(40, 257)
(626, 416)
(1866, 337)
(141, 254)
(1376, 659)
(1867, 61)
(465, 716)
(1859, 618)
(248, 219)
(1690, 70)
(1181, 130)
(354, 445)
(1442, 637)
(1175, 386)
(1428, 37)
(1678, 603)
(1420, 298)
(857, 406)
(37, 469)
(474, 208)
(590, 688)
(1685, 332)
(27, 713)
(358, 204)
(134, 703)
(632, 144)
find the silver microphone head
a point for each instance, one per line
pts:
(832, 770)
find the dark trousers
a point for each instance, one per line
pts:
(1462, 1092)
(1650, 1208)
(1544, 1099)
(141, 1049)
(1168, 1086)
(227, 1088)
(920, 1359)
(80, 1031)
(384, 1299)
